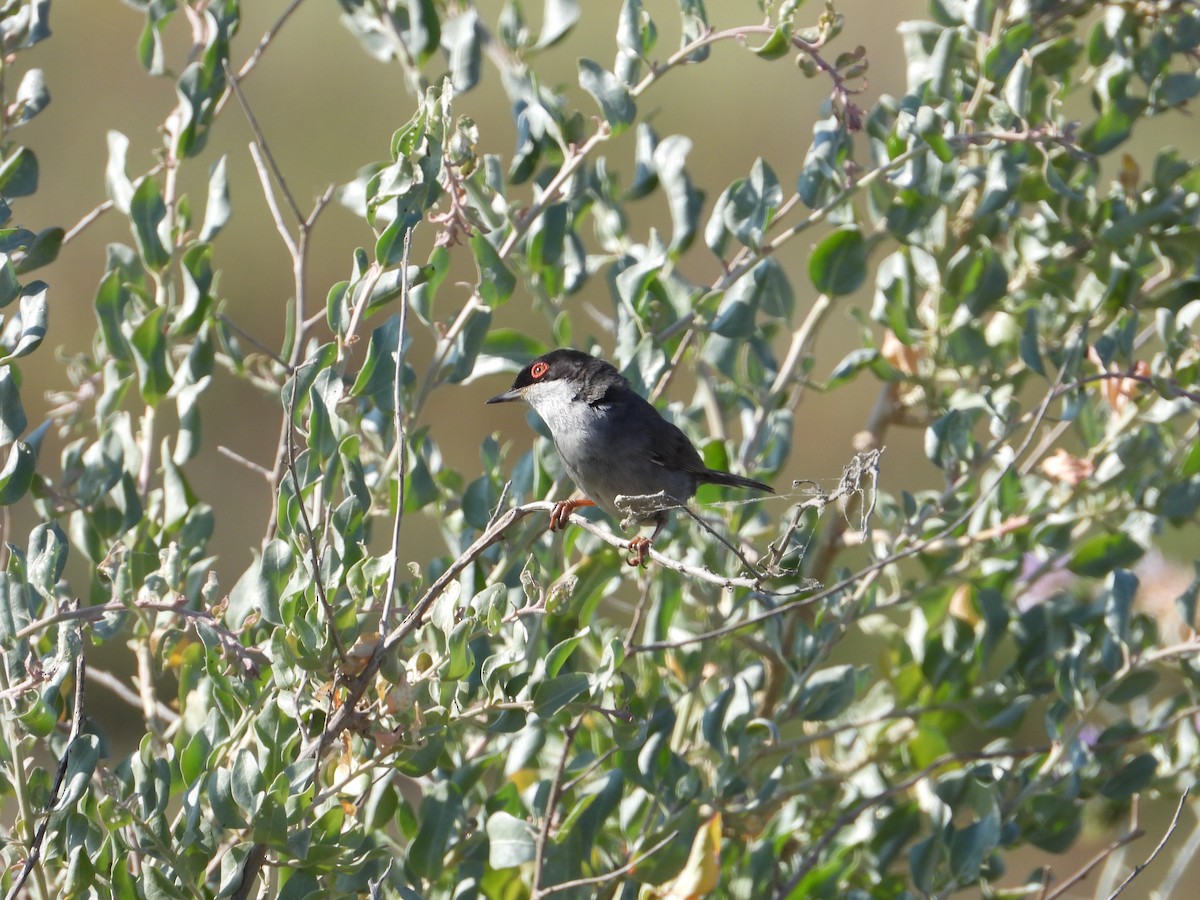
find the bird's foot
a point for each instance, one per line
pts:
(639, 551)
(562, 510)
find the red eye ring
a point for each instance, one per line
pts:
(538, 369)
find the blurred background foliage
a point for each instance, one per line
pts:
(809, 233)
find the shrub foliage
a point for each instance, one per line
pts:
(849, 691)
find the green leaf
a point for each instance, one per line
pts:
(751, 203)
(10, 288)
(246, 784)
(820, 176)
(1136, 684)
(149, 344)
(1185, 603)
(1099, 555)
(42, 250)
(765, 289)
(972, 845)
(461, 39)
(1014, 41)
(777, 44)
(979, 280)
(1133, 776)
(377, 377)
(827, 693)
(558, 17)
(19, 174)
(510, 841)
(949, 441)
(261, 586)
(1109, 131)
(607, 90)
(47, 557)
(495, 281)
(895, 297)
(31, 324)
(12, 414)
(553, 694)
(147, 214)
(468, 344)
(425, 29)
(32, 97)
(852, 363)
(683, 200)
(561, 652)
(1016, 87)
(82, 755)
(116, 182)
(506, 350)
(1177, 88)
(217, 208)
(1028, 348)
(694, 25)
(440, 810)
(838, 265)
(17, 474)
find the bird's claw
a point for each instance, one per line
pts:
(639, 551)
(561, 513)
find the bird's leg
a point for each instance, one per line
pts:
(639, 551)
(639, 547)
(562, 512)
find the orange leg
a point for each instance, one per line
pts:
(639, 551)
(562, 512)
(639, 547)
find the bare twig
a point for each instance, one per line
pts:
(124, 692)
(34, 855)
(543, 836)
(256, 55)
(250, 660)
(874, 568)
(261, 143)
(813, 853)
(256, 343)
(1137, 870)
(314, 551)
(389, 598)
(243, 461)
(633, 863)
(1127, 838)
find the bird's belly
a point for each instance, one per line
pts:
(598, 475)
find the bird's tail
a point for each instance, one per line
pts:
(715, 476)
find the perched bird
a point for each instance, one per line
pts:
(612, 441)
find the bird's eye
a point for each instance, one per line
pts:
(538, 369)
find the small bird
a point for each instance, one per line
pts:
(612, 441)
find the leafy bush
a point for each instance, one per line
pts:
(852, 692)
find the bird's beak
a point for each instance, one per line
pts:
(513, 394)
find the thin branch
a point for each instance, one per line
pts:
(313, 545)
(261, 142)
(124, 692)
(264, 178)
(389, 598)
(851, 815)
(1127, 838)
(250, 659)
(543, 836)
(34, 855)
(869, 570)
(256, 55)
(633, 863)
(87, 219)
(1137, 870)
(247, 463)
